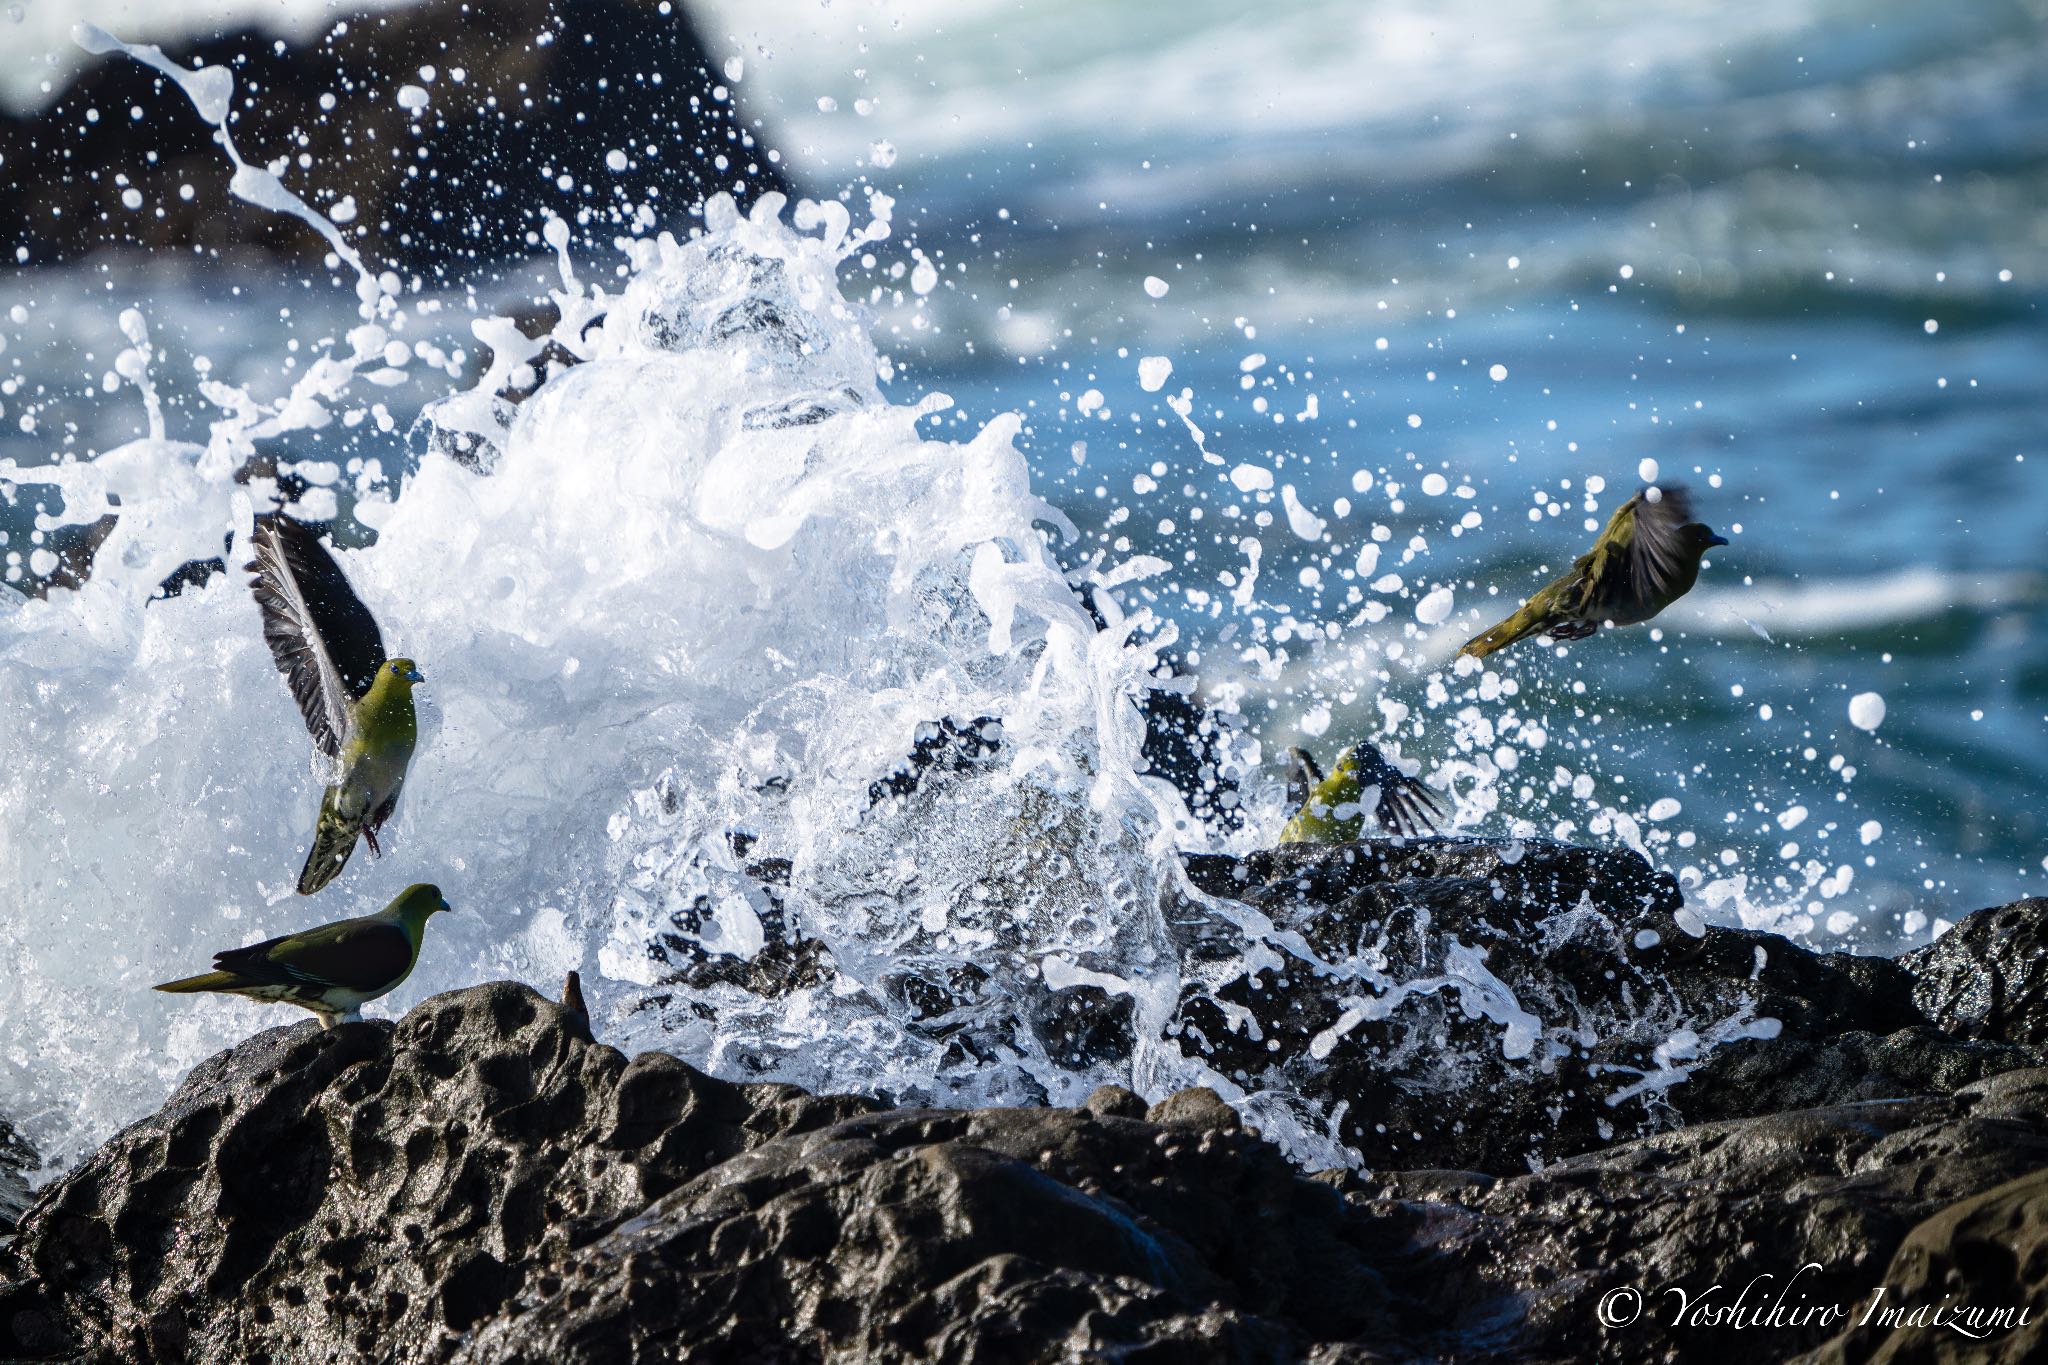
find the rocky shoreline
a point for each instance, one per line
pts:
(483, 1182)
(516, 106)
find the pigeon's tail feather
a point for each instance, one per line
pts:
(1520, 626)
(333, 840)
(209, 981)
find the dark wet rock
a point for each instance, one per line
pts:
(937, 748)
(316, 1195)
(548, 88)
(480, 1184)
(1751, 1076)
(1196, 1107)
(998, 1234)
(1190, 744)
(788, 960)
(1520, 1267)
(1115, 1102)
(1967, 1287)
(17, 1159)
(1531, 1000)
(1624, 1020)
(1987, 978)
(1188, 741)
(575, 1011)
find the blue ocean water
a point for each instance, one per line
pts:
(1794, 255)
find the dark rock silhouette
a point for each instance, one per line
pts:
(16, 1161)
(547, 89)
(478, 1183)
(338, 1195)
(1987, 978)
(1589, 942)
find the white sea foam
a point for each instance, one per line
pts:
(780, 583)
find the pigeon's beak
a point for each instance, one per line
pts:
(1717, 540)
(415, 676)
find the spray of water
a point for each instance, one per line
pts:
(768, 711)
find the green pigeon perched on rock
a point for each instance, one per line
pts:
(1333, 808)
(1646, 558)
(357, 703)
(333, 970)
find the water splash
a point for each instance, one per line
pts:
(772, 714)
(710, 592)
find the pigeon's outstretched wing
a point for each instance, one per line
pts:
(1406, 807)
(1645, 532)
(325, 641)
(1304, 775)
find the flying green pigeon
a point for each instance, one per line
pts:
(333, 970)
(357, 703)
(1647, 558)
(1333, 808)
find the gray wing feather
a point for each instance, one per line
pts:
(1405, 805)
(291, 627)
(1303, 775)
(1656, 557)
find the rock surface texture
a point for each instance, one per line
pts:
(16, 1162)
(1550, 999)
(481, 1182)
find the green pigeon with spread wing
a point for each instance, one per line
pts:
(1647, 557)
(333, 970)
(357, 703)
(1333, 808)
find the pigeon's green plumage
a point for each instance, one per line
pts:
(1333, 808)
(1646, 558)
(333, 970)
(357, 704)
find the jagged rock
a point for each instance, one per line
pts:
(1517, 1268)
(1987, 978)
(1967, 1287)
(315, 1195)
(548, 89)
(1639, 1023)
(998, 1234)
(480, 1184)
(1589, 942)
(575, 1012)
